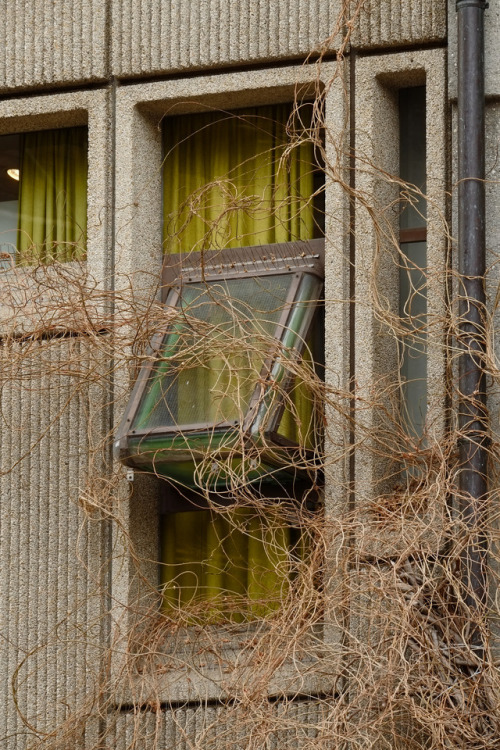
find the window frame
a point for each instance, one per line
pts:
(140, 110)
(299, 258)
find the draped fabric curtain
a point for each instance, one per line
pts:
(232, 180)
(52, 220)
(236, 564)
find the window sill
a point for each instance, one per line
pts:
(221, 663)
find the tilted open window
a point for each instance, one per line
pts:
(221, 399)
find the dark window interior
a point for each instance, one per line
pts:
(413, 262)
(9, 192)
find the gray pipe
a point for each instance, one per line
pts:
(473, 417)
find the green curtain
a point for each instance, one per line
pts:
(229, 181)
(234, 564)
(52, 221)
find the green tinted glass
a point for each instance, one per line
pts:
(213, 356)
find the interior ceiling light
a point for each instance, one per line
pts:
(14, 173)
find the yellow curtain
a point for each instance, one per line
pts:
(233, 564)
(231, 180)
(52, 222)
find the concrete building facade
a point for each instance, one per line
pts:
(78, 540)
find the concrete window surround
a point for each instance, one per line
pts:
(41, 496)
(378, 80)
(139, 111)
(63, 110)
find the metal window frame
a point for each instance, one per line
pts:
(297, 258)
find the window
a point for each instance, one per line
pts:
(220, 408)
(43, 196)
(413, 239)
(224, 367)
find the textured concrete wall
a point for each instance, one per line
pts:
(303, 723)
(50, 43)
(382, 23)
(211, 33)
(154, 35)
(67, 42)
(51, 610)
(492, 296)
(50, 557)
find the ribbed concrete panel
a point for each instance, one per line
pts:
(398, 22)
(274, 726)
(50, 42)
(154, 36)
(50, 557)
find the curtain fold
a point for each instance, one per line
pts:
(233, 564)
(232, 180)
(52, 219)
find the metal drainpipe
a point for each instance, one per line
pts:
(473, 417)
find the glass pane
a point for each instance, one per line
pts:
(413, 313)
(412, 280)
(43, 196)
(214, 353)
(233, 179)
(235, 565)
(9, 194)
(298, 422)
(413, 155)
